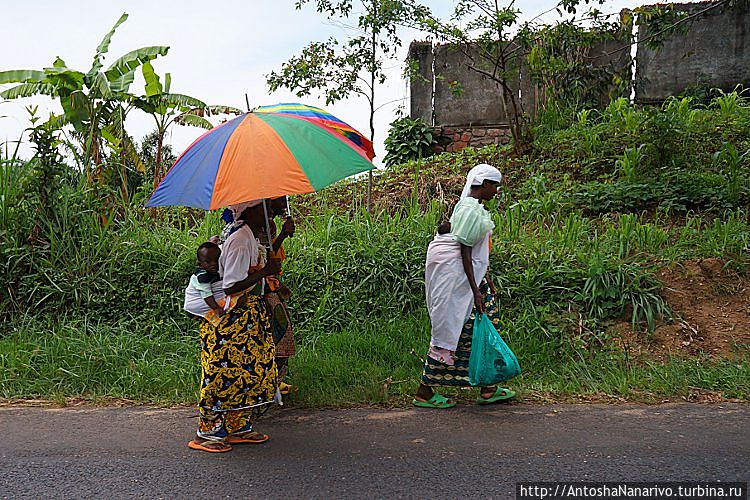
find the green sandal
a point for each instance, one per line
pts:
(501, 394)
(436, 401)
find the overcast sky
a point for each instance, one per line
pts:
(219, 50)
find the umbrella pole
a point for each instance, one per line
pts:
(268, 228)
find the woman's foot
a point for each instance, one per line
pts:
(251, 437)
(488, 395)
(487, 392)
(209, 446)
(427, 398)
(424, 393)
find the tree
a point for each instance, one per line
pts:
(168, 108)
(95, 103)
(338, 70)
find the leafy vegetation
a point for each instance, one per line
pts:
(408, 139)
(606, 202)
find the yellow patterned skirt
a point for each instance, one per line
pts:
(239, 375)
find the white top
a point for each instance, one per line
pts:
(194, 301)
(239, 253)
(449, 298)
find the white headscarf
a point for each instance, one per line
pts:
(478, 175)
(241, 207)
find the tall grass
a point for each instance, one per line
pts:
(93, 286)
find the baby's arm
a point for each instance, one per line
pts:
(204, 289)
(211, 301)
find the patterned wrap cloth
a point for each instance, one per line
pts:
(239, 376)
(451, 368)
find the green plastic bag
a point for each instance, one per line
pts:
(491, 360)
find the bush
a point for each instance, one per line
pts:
(408, 139)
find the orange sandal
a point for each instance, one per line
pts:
(249, 437)
(210, 446)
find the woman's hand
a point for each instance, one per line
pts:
(288, 228)
(479, 302)
(273, 266)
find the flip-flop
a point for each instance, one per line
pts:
(286, 389)
(206, 446)
(256, 439)
(437, 401)
(501, 394)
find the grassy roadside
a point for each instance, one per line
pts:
(621, 254)
(362, 364)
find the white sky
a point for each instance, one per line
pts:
(219, 50)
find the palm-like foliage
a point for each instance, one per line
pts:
(169, 108)
(95, 103)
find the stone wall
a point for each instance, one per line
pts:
(456, 138)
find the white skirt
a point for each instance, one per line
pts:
(449, 297)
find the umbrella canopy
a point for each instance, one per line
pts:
(269, 152)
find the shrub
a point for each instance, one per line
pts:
(408, 139)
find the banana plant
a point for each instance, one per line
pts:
(95, 103)
(168, 108)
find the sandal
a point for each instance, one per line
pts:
(286, 389)
(248, 437)
(501, 394)
(436, 401)
(210, 446)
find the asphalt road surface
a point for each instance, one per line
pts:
(469, 452)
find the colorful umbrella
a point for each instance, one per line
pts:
(269, 152)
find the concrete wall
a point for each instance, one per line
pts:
(420, 85)
(481, 100)
(714, 52)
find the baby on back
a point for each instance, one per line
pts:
(204, 295)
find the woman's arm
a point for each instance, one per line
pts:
(286, 230)
(272, 267)
(469, 270)
(491, 283)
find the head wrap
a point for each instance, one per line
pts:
(241, 207)
(478, 175)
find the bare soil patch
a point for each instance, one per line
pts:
(710, 305)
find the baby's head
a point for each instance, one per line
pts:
(208, 256)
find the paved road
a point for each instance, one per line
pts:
(471, 452)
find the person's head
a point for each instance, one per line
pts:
(486, 190)
(208, 256)
(277, 207)
(482, 182)
(254, 217)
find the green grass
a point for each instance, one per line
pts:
(363, 364)
(93, 285)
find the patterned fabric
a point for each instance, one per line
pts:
(437, 372)
(281, 326)
(239, 375)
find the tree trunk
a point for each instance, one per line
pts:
(372, 104)
(157, 161)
